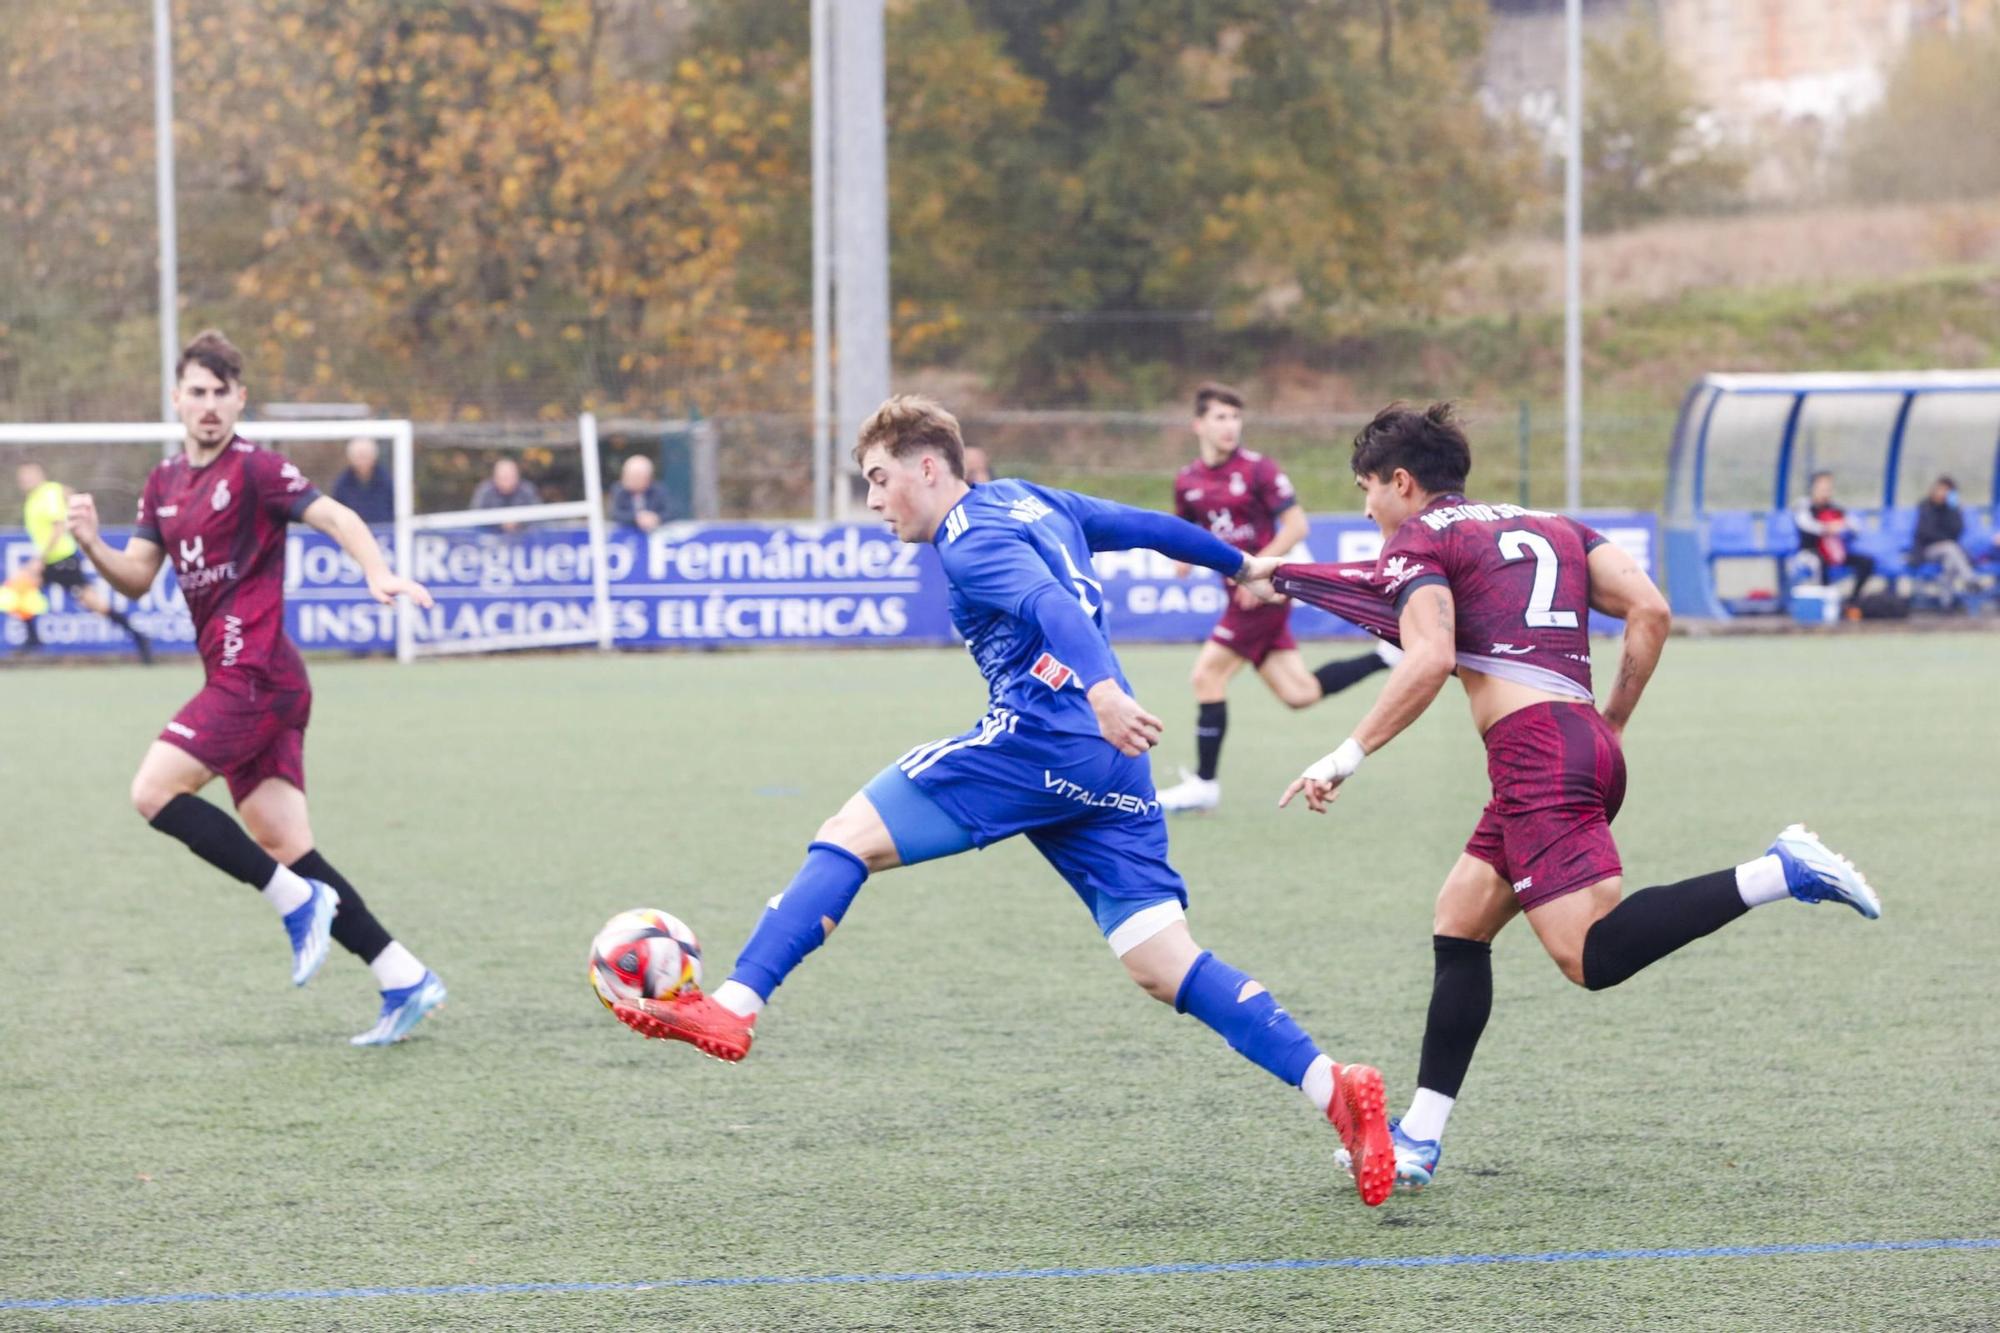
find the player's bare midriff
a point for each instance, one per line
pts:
(1493, 698)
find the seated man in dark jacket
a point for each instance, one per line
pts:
(1940, 530)
(639, 501)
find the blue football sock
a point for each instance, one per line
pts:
(794, 924)
(1255, 1027)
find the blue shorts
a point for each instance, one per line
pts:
(1089, 810)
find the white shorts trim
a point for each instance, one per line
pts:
(1142, 925)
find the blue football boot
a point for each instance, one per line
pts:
(402, 1009)
(310, 925)
(1416, 1159)
(1815, 873)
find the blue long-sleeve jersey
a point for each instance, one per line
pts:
(1028, 602)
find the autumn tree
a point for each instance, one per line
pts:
(1646, 152)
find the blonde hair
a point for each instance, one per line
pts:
(909, 424)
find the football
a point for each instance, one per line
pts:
(643, 954)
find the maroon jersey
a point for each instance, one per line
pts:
(1519, 580)
(223, 526)
(1239, 499)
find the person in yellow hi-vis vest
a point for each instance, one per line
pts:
(45, 513)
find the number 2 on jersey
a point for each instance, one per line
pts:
(1515, 543)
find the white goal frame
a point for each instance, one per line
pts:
(590, 509)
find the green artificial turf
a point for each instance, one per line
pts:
(964, 1080)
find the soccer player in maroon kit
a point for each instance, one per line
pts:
(1244, 498)
(220, 509)
(1502, 595)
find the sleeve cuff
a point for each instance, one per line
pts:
(1421, 581)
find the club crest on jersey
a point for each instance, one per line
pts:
(1399, 570)
(220, 500)
(1236, 486)
(1051, 672)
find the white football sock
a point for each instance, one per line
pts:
(1425, 1119)
(1317, 1085)
(286, 891)
(396, 967)
(1762, 881)
(739, 999)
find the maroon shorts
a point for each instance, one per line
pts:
(1255, 634)
(1558, 780)
(247, 732)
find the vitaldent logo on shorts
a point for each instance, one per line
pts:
(1116, 800)
(181, 730)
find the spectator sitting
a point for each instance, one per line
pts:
(364, 487)
(639, 501)
(977, 468)
(1940, 528)
(506, 489)
(1827, 536)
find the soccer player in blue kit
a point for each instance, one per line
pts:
(1060, 756)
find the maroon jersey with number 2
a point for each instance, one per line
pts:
(1520, 588)
(223, 527)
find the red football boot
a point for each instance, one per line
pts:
(1359, 1112)
(702, 1023)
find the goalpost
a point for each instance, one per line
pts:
(410, 525)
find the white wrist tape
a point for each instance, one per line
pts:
(1340, 765)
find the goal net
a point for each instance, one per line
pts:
(467, 556)
(110, 460)
(473, 556)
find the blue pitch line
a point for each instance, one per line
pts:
(1001, 1274)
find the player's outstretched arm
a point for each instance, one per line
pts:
(1618, 587)
(1429, 631)
(337, 521)
(131, 570)
(1110, 526)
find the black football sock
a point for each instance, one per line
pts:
(1652, 923)
(217, 839)
(1209, 725)
(354, 926)
(1461, 1002)
(1337, 676)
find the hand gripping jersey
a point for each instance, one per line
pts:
(1003, 546)
(223, 526)
(1239, 499)
(1519, 580)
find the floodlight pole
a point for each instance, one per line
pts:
(1573, 257)
(163, 174)
(860, 152)
(822, 296)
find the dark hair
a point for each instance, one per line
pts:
(213, 353)
(1211, 392)
(910, 424)
(1823, 472)
(1945, 481)
(1429, 445)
